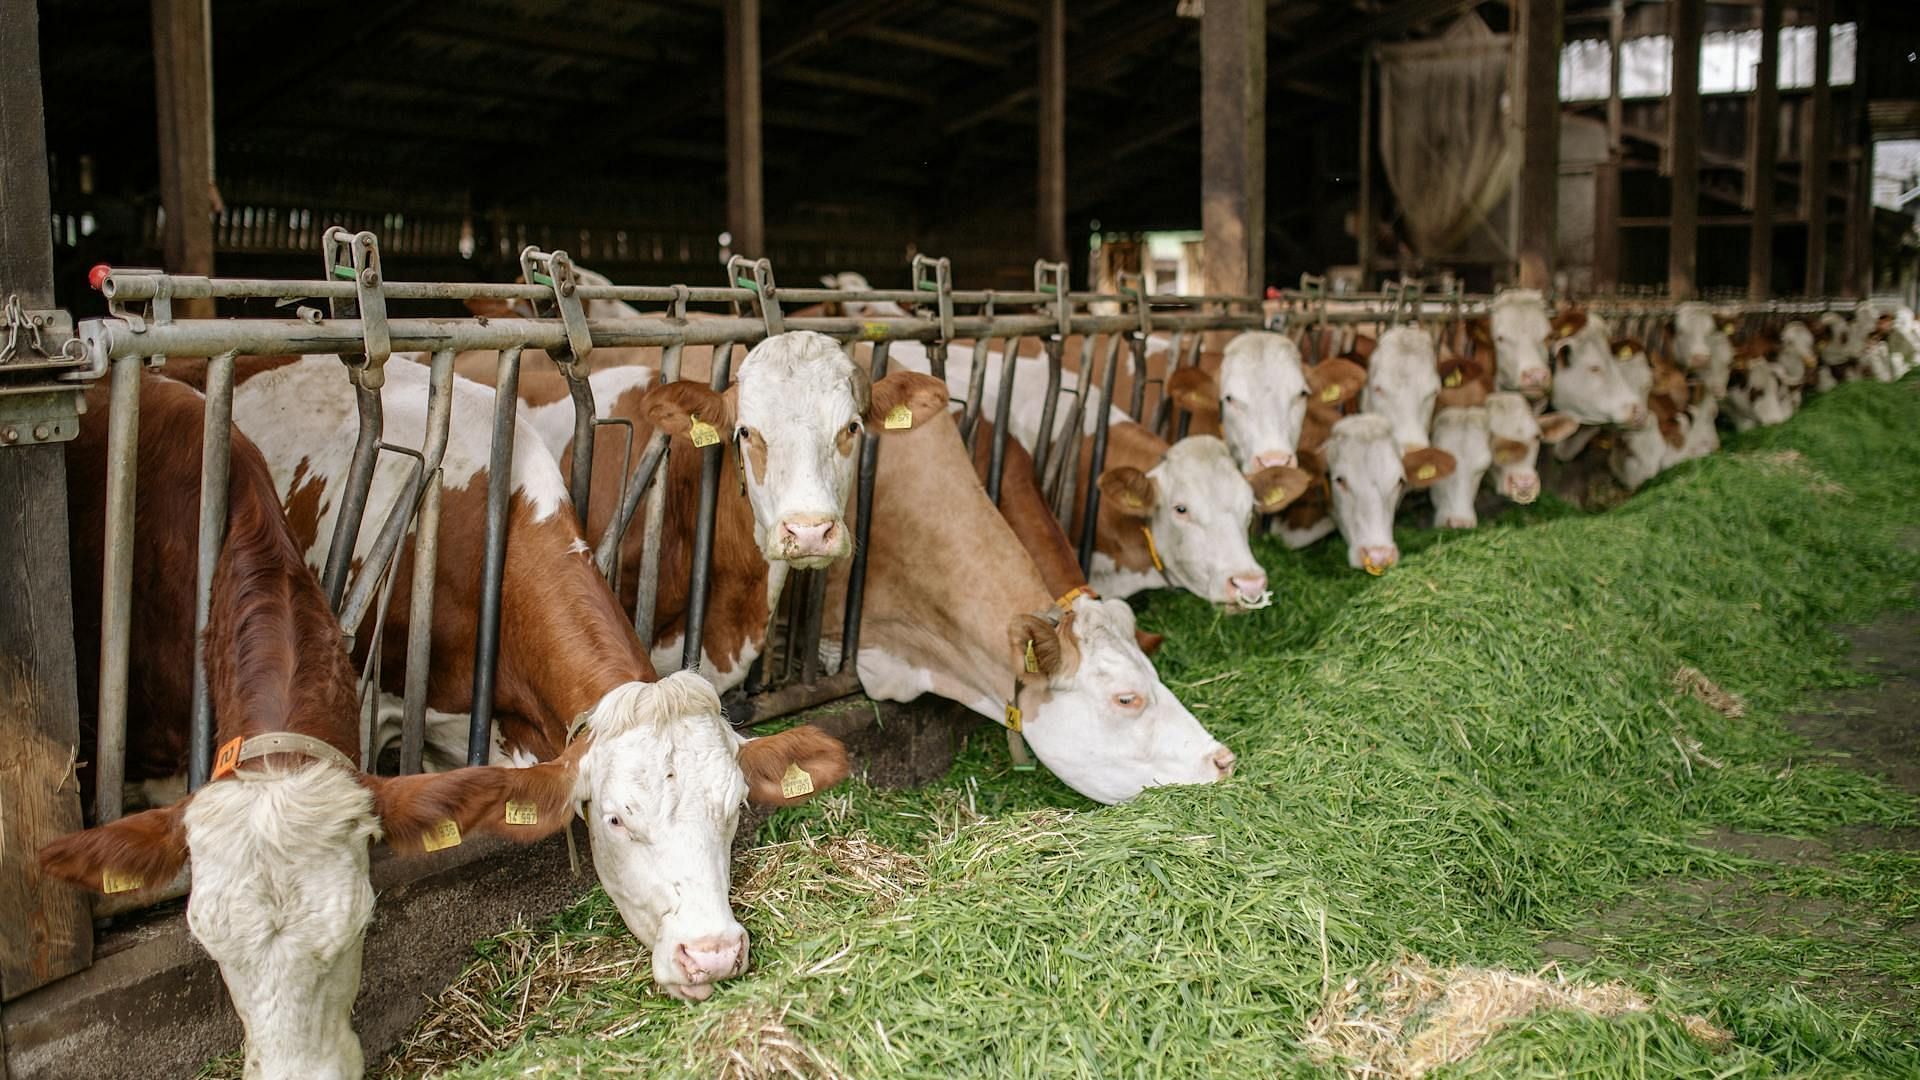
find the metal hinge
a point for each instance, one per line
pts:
(37, 338)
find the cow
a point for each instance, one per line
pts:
(955, 607)
(1756, 394)
(279, 839)
(657, 774)
(1517, 436)
(1466, 434)
(1403, 381)
(1518, 324)
(1590, 384)
(1369, 473)
(1258, 400)
(1703, 342)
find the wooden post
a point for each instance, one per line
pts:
(183, 95)
(1856, 274)
(1051, 212)
(746, 182)
(1818, 155)
(1683, 142)
(1763, 152)
(1363, 216)
(1537, 65)
(45, 927)
(1606, 177)
(1233, 144)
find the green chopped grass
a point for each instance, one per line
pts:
(1475, 755)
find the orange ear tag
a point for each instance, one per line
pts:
(1424, 472)
(522, 812)
(795, 782)
(228, 759)
(1065, 603)
(1152, 551)
(442, 836)
(899, 418)
(118, 881)
(1331, 394)
(702, 433)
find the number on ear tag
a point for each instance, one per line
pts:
(1033, 662)
(702, 433)
(442, 836)
(795, 782)
(118, 881)
(228, 759)
(1013, 717)
(522, 812)
(899, 418)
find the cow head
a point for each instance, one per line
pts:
(1464, 433)
(795, 415)
(1757, 396)
(1369, 475)
(1263, 396)
(1520, 328)
(1517, 435)
(523, 309)
(1703, 345)
(1097, 713)
(1196, 507)
(859, 309)
(1403, 380)
(1589, 383)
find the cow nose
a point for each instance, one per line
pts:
(1457, 522)
(1535, 379)
(1523, 489)
(1376, 560)
(1637, 417)
(1248, 586)
(709, 959)
(1274, 459)
(1222, 760)
(803, 537)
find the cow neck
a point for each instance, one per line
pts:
(1026, 513)
(945, 578)
(1118, 536)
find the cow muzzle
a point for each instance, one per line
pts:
(700, 962)
(810, 540)
(1248, 590)
(1377, 560)
(1522, 488)
(1535, 382)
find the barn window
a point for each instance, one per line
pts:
(1727, 63)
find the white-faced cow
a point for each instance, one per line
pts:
(1703, 342)
(1467, 434)
(1517, 437)
(1519, 326)
(1403, 379)
(1370, 474)
(1590, 383)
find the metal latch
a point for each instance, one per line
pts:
(37, 337)
(39, 415)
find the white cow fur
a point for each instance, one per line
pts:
(1590, 385)
(1402, 383)
(1202, 509)
(1263, 399)
(1520, 327)
(1369, 479)
(1466, 433)
(1700, 347)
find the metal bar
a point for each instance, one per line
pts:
(580, 478)
(647, 588)
(116, 607)
(493, 568)
(1066, 465)
(862, 528)
(1098, 461)
(997, 458)
(1193, 360)
(1043, 440)
(808, 636)
(712, 458)
(606, 557)
(791, 699)
(216, 443)
(977, 385)
(353, 500)
(426, 559)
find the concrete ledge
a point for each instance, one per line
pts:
(153, 1004)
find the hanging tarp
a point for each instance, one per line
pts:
(1449, 138)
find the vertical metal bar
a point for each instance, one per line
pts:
(216, 443)
(647, 589)
(1043, 440)
(580, 478)
(1098, 462)
(712, 458)
(862, 527)
(1363, 220)
(353, 501)
(1138, 343)
(426, 559)
(1162, 408)
(807, 633)
(977, 384)
(1002, 405)
(1193, 360)
(116, 589)
(493, 567)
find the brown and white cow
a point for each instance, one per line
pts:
(1403, 382)
(1589, 381)
(1369, 474)
(656, 772)
(1517, 437)
(1519, 328)
(279, 839)
(1703, 342)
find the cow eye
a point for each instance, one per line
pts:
(1127, 700)
(1228, 398)
(1303, 391)
(1180, 508)
(741, 432)
(853, 427)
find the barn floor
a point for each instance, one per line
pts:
(1601, 794)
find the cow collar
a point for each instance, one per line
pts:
(243, 749)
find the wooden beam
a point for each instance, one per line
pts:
(829, 25)
(1606, 177)
(1233, 144)
(183, 94)
(1818, 153)
(746, 173)
(1051, 211)
(1363, 210)
(46, 931)
(1537, 67)
(1856, 273)
(855, 84)
(1685, 22)
(1764, 141)
(521, 36)
(935, 46)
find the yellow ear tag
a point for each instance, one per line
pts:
(1424, 472)
(1452, 379)
(898, 418)
(1033, 662)
(795, 782)
(1132, 500)
(442, 836)
(1197, 401)
(1012, 721)
(1151, 550)
(1331, 394)
(1624, 352)
(117, 881)
(702, 433)
(1566, 331)
(522, 812)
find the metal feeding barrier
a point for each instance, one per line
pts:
(141, 331)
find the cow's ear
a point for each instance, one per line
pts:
(1041, 650)
(1194, 390)
(904, 400)
(789, 767)
(430, 811)
(1556, 426)
(1277, 485)
(1362, 351)
(1508, 451)
(829, 281)
(1333, 383)
(1129, 491)
(673, 407)
(1149, 643)
(136, 853)
(1426, 466)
